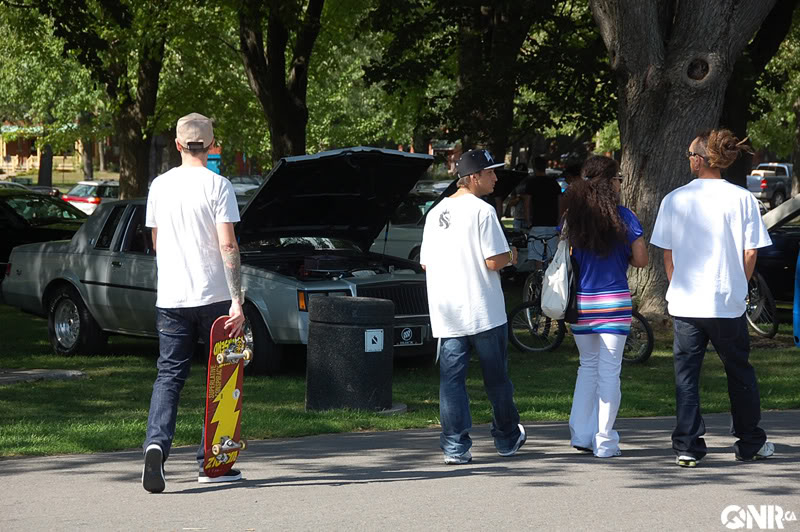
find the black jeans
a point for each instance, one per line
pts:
(732, 342)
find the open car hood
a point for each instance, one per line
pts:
(782, 213)
(348, 194)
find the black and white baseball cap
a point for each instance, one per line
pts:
(474, 161)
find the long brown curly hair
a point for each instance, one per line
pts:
(593, 222)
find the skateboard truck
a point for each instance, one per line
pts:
(227, 356)
(227, 445)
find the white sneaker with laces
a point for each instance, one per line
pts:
(767, 450)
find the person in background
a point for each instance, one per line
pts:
(542, 198)
(710, 231)
(605, 238)
(463, 249)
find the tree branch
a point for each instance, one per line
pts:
(298, 76)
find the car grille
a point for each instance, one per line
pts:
(408, 298)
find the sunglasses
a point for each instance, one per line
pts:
(691, 154)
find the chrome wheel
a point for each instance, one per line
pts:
(67, 323)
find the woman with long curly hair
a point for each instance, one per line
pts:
(605, 238)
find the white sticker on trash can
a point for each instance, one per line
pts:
(373, 340)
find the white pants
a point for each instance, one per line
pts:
(597, 393)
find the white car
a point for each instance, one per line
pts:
(87, 195)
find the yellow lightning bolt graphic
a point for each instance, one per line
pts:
(226, 416)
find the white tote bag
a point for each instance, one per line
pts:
(555, 285)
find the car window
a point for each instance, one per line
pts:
(107, 234)
(108, 192)
(82, 191)
(39, 210)
(138, 238)
(779, 170)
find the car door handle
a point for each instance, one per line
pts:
(116, 264)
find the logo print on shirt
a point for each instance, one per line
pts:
(444, 219)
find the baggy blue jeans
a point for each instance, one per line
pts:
(732, 342)
(179, 331)
(492, 349)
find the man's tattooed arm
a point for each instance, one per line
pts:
(233, 271)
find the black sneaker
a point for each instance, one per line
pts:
(153, 472)
(230, 476)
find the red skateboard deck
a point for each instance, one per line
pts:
(223, 422)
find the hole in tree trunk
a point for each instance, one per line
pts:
(698, 69)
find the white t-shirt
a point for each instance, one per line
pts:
(708, 224)
(185, 204)
(464, 296)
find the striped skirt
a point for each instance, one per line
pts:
(604, 312)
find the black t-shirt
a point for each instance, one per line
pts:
(545, 193)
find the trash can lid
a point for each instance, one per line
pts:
(351, 310)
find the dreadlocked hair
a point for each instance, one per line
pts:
(593, 222)
(721, 147)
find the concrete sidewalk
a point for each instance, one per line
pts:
(397, 481)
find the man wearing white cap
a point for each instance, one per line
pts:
(463, 247)
(191, 211)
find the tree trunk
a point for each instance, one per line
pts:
(101, 154)
(45, 177)
(672, 61)
(282, 94)
(87, 146)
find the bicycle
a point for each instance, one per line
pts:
(761, 311)
(530, 330)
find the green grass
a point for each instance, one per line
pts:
(65, 180)
(108, 409)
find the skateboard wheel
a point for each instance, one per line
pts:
(236, 394)
(216, 450)
(248, 354)
(243, 443)
(220, 358)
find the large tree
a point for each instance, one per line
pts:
(672, 62)
(291, 28)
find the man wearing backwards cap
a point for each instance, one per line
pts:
(191, 211)
(463, 247)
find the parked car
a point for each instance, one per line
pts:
(27, 217)
(87, 195)
(49, 191)
(771, 182)
(402, 237)
(777, 263)
(12, 185)
(431, 186)
(306, 234)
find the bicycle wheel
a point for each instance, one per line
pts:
(639, 344)
(532, 331)
(761, 312)
(532, 289)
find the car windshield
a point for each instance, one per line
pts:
(310, 243)
(82, 191)
(39, 210)
(412, 209)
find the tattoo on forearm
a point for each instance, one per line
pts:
(233, 272)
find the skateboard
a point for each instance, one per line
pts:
(223, 421)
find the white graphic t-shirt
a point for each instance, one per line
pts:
(708, 224)
(464, 296)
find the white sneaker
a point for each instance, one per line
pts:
(685, 460)
(458, 459)
(153, 472)
(767, 450)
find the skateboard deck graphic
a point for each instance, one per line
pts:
(223, 421)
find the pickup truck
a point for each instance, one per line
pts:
(771, 183)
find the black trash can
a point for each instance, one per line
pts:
(350, 350)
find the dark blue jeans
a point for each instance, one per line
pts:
(732, 343)
(179, 331)
(492, 349)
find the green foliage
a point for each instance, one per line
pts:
(778, 91)
(607, 139)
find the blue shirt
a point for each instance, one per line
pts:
(600, 274)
